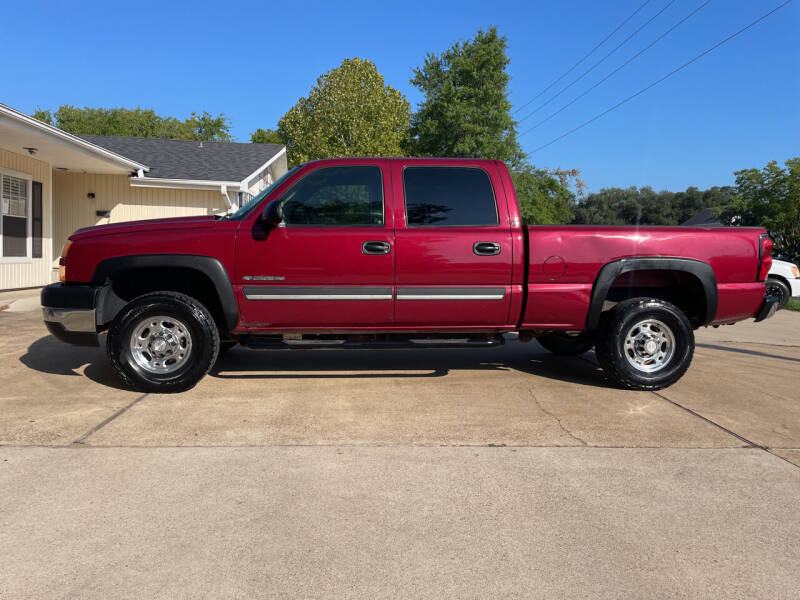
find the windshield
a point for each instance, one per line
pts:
(247, 208)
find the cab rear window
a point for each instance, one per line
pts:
(449, 197)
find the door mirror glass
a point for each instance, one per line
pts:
(273, 213)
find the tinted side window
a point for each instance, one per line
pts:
(336, 196)
(448, 196)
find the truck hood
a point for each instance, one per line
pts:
(201, 222)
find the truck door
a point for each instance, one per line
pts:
(330, 265)
(453, 245)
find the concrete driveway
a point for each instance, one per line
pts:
(457, 473)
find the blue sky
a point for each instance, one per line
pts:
(735, 108)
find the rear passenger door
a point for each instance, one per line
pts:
(453, 245)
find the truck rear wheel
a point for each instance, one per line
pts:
(644, 344)
(163, 342)
(567, 344)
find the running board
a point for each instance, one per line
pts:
(254, 342)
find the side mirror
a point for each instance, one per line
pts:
(273, 213)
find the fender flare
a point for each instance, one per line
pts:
(614, 269)
(208, 266)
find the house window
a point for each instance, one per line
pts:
(15, 220)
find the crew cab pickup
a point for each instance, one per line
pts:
(394, 253)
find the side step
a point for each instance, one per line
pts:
(256, 342)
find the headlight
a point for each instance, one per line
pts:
(65, 250)
(795, 272)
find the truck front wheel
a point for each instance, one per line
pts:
(163, 342)
(644, 344)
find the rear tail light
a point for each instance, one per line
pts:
(765, 257)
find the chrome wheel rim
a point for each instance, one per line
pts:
(161, 344)
(649, 345)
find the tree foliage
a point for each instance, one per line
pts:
(770, 197)
(644, 206)
(266, 136)
(465, 111)
(137, 122)
(545, 196)
(349, 112)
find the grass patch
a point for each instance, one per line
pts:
(793, 305)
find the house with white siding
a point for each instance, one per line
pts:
(53, 182)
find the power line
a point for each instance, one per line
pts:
(667, 76)
(599, 62)
(587, 55)
(619, 68)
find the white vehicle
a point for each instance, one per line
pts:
(783, 281)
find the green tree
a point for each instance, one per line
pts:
(349, 112)
(770, 197)
(465, 111)
(644, 206)
(205, 126)
(545, 197)
(45, 116)
(137, 122)
(266, 136)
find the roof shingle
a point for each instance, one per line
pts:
(189, 159)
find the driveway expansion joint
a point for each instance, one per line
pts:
(749, 443)
(104, 422)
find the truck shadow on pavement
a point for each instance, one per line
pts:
(48, 355)
(240, 363)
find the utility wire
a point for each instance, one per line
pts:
(587, 55)
(619, 68)
(667, 76)
(599, 62)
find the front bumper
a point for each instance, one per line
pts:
(69, 313)
(768, 308)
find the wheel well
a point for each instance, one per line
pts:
(131, 283)
(680, 288)
(781, 278)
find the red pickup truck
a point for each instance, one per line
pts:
(400, 252)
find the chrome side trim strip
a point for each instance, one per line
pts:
(451, 293)
(317, 297)
(317, 293)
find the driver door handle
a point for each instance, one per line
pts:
(375, 247)
(486, 248)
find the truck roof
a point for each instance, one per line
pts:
(421, 159)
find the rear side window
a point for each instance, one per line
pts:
(449, 197)
(336, 196)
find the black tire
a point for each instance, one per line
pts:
(667, 322)
(777, 287)
(200, 351)
(567, 344)
(224, 347)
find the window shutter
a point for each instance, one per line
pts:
(36, 225)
